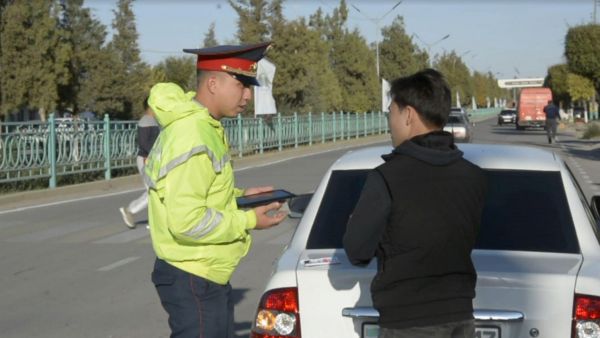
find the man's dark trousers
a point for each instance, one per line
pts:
(196, 306)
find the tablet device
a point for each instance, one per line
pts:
(263, 198)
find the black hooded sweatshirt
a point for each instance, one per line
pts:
(419, 214)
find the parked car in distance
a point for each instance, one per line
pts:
(463, 112)
(507, 116)
(459, 126)
(537, 255)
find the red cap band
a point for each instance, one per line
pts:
(227, 65)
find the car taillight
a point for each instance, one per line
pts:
(277, 315)
(586, 317)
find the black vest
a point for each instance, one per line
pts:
(425, 274)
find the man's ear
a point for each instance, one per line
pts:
(410, 115)
(211, 83)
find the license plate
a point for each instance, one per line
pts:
(372, 331)
(487, 332)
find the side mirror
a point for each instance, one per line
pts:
(595, 206)
(298, 204)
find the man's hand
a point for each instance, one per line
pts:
(265, 221)
(257, 190)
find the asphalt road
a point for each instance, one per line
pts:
(72, 269)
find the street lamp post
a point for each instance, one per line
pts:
(429, 45)
(376, 22)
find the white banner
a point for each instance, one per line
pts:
(386, 99)
(264, 103)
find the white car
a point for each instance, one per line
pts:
(537, 255)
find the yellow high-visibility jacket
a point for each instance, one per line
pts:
(195, 223)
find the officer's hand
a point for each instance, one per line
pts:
(264, 220)
(257, 190)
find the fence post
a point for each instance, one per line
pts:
(295, 130)
(240, 136)
(365, 119)
(261, 136)
(322, 127)
(356, 116)
(379, 121)
(52, 151)
(334, 134)
(372, 123)
(310, 129)
(279, 132)
(107, 174)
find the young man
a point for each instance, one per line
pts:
(419, 214)
(552, 117)
(148, 131)
(198, 233)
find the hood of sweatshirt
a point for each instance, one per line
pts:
(436, 148)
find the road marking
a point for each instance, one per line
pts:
(68, 201)
(141, 189)
(118, 263)
(308, 155)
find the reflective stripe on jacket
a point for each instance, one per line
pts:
(194, 220)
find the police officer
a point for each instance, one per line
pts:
(198, 233)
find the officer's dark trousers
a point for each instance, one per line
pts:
(463, 329)
(196, 307)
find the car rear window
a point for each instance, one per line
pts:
(508, 112)
(524, 211)
(455, 119)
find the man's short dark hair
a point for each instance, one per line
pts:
(427, 92)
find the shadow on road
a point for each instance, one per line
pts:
(242, 329)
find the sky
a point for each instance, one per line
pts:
(510, 38)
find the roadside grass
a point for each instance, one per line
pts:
(592, 130)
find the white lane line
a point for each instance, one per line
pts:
(308, 155)
(141, 189)
(585, 177)
(118, 263)
(68, 201)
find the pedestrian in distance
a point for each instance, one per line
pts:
(198, 233)
(419, 215)
(147, 133)
(552, 116)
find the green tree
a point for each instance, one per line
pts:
(353, 66)
(457, 75)
(580, 88)
(582, 50)
(556, 80)
(132, 76)
(86, 37)
(351, 60)
(210, 39)
(304, 80)
(252, 20)
(33, 56)
(179, 70)
(398, 55)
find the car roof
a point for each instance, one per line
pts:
(488, 156)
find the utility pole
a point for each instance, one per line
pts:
(596, 2)
(376, 22)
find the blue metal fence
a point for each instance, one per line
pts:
(58, 147)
